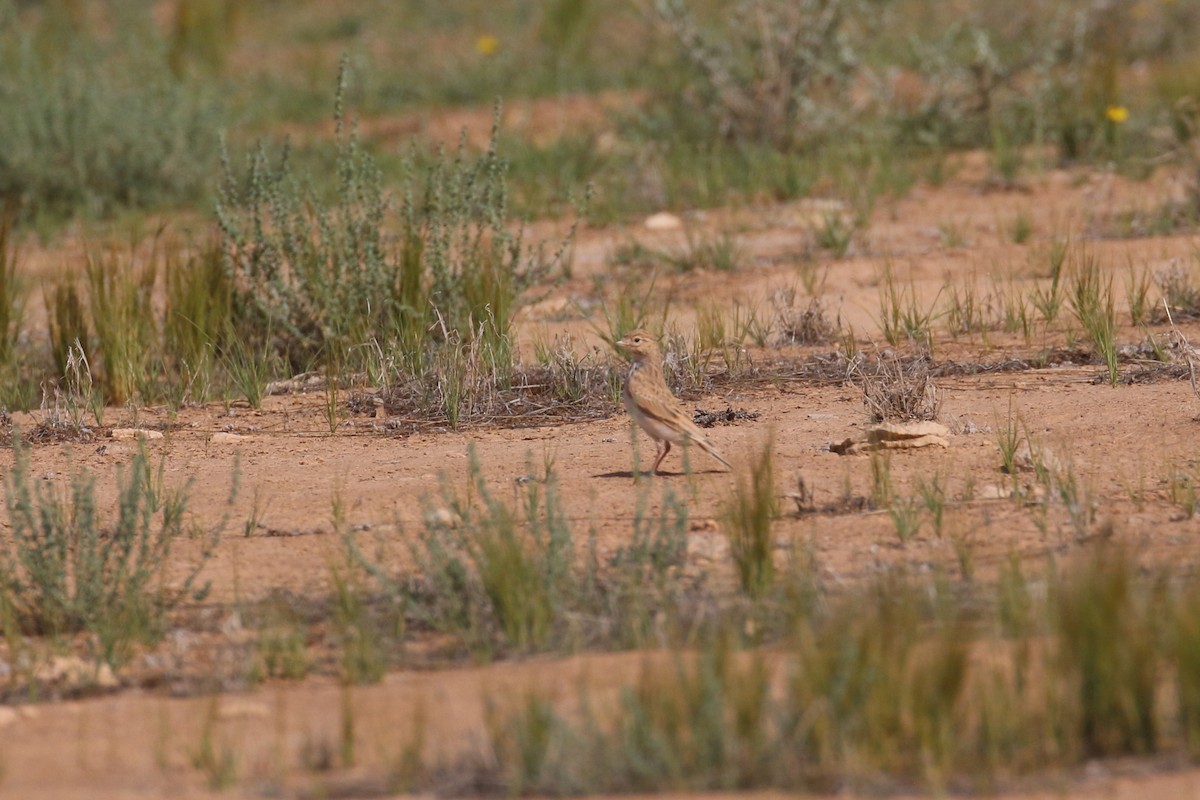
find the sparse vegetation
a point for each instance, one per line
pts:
(901, 317)
(748, 524)
(375, 287)
(70, 568)
(507, 578)
(911, 699)
(1092, 302)
(896, 389)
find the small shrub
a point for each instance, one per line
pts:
(777, 74)
(808, 325)
(97, 123)
(65, 570)
(322, 276)
(513, 577)
(1094, 608)
(898, 389)
(748, 519)
(363, 650)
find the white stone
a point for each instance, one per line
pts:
(662, 221)
(74, 671)
(126, 434)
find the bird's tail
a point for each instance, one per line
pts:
(707, 447)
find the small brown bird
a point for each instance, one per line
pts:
(651, 403)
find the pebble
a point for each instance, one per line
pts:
(125, 434)
(662, 221)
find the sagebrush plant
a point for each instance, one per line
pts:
(69, 567)
(834, 234)
(776, 74)
(633, 310)
(490, 573)
(327, 275)
(1179, 292)
(96, 123)
(1010, 78)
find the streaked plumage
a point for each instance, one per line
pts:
(651, 403)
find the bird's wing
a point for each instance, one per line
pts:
(670, 413)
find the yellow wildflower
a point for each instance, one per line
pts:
(1116, 114)
(487, 44)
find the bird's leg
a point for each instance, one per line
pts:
(665, 449)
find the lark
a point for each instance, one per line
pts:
(651, 403)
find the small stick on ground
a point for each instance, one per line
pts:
(1189, 352)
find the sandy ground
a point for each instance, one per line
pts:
(1123, 442)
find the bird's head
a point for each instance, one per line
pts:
(640, 345)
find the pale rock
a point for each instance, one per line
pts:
(1026, 460)
(993, 492)
(442, 518)
(708, 546)
(74, 671)
(662, 221)
(894, 436)
(816, 212)
(304, 382)
(129, 434)
(224, 437)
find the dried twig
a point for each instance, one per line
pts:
(899, 391)
(1189, 352)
